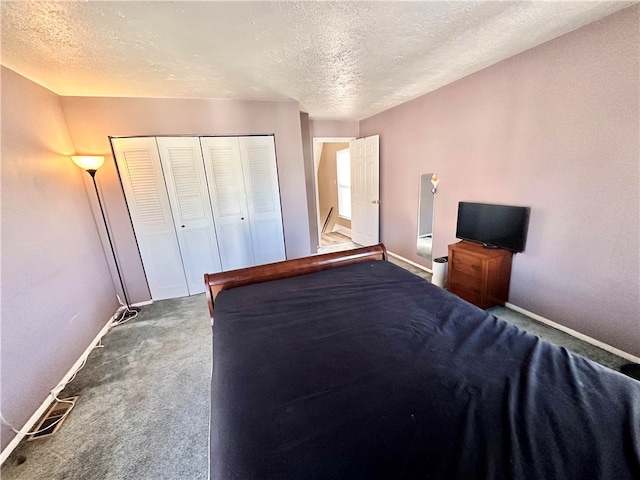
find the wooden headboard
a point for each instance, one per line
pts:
(217, 282)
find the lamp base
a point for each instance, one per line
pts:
(127, 314)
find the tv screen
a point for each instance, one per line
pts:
(498, 226)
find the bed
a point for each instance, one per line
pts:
(346, 366)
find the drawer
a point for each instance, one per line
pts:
(466, 281)
(465, 263)
(471, 296)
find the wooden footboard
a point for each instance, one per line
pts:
(289, 268)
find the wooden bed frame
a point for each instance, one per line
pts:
(217, 282)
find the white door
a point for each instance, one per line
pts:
(184, 175)
(139, 165)
(263, 198)
(223, 166)
(365, 190)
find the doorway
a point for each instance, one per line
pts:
(333, 193)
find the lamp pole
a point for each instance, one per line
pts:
(91, 165)
(130, 311)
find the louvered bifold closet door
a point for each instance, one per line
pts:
(263, 198)
(223, 167)
(184, 175)
(146, 194)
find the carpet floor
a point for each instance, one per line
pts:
(143, 406)
(144, 399)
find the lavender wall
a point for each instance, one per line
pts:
(309, 172)
(334, 128)
(91, 120)
(57, 293)
(555, 128)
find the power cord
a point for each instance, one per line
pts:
(55, 392)
(126, 315)
(48, 427)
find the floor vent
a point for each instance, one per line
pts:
(53, 419)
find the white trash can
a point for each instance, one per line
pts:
(439, 268)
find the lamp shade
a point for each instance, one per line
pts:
(434, 181)
(88, 162)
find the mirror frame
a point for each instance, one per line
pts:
(426, 209)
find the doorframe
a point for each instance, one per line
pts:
(317, 144)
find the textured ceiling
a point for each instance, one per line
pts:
(339, 60)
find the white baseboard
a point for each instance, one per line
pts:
(343, 230)
(574, 333)
(417, 265)
(142, 304)
(50, 398)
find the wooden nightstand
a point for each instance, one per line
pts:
(479, 275)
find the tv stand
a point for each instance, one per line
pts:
(478, 274)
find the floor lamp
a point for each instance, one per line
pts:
(91, 163)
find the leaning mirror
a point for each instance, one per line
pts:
(428, 184)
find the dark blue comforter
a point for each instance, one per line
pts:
(368, 371)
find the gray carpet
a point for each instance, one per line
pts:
(143, 411)
(415, 270)
(143, 407)
(559, 338)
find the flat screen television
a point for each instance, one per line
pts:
(495, 226)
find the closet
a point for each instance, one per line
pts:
(243, 183)
(200, 205)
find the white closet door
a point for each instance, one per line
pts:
(223, 166)
(146, 194)
(184, 175)
(263, 198)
